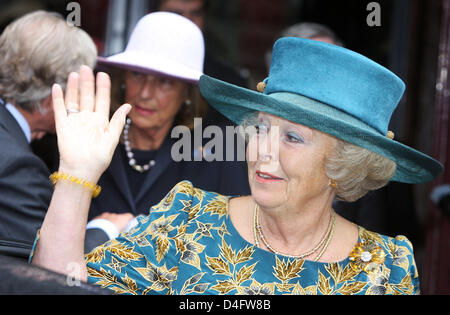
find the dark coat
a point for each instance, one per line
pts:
(25, 187)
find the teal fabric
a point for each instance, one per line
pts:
(188, 245)
(331, 89)
(336, 76)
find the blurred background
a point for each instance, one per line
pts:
(413, 41)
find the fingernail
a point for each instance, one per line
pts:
(85, 68)
(73, 75)
(127, 109)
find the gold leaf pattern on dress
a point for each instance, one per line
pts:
(347, 273)
(184, 188)
(181, 230)
(400, 254)
(167, 203)
(245, 254)
(184, 246)
(162, 226)
(190, 250)
(339, 274)
(217, 206)
(284, 287)
(191, 285)
(285, 271)
(370, 236)
(194, 211)
(96, 255)
(123, 251)
(223, 287)
(227, 252)
(160, 277)
(110, 281)
(162, 247)
(404, 287)
(245, 273)
(160, 230)
(334, 271)
(299, 290)
(352, 288)
(218, 265)
(130, 283)
(198, 193)
(101, 273)
(324, 284)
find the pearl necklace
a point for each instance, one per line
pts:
(257, 233)
(130, 155)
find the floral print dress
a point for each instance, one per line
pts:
(188, 245)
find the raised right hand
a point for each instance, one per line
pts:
(87, 139)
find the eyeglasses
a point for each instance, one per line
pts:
(140, 80)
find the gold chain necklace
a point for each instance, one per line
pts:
(257, 231)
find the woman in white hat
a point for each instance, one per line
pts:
(158, 75)
(321, 120)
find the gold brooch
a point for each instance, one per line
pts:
(366, 256)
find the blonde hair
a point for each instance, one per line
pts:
(38, 50)
(357, 171)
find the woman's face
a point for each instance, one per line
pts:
(155, 99)
(288, 164)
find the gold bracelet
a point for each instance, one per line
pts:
(57, 176)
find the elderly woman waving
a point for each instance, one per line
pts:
(321, 122)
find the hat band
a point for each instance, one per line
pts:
(321, 108)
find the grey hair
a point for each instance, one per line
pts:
(311, 30)
(307, 30)
(38, 50)
(356, 171)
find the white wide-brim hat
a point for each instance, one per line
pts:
(163, 43)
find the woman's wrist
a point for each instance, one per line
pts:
(80, 178)
(84, 173)
(91, 186)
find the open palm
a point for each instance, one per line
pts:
(86, 137)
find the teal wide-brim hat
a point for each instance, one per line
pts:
(331, 89)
